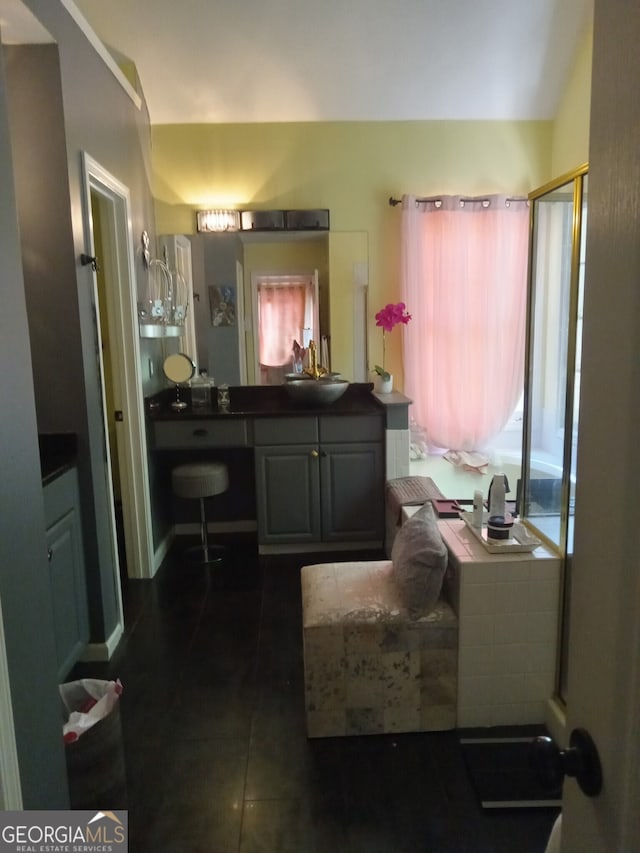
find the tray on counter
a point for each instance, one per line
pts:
(521, 539)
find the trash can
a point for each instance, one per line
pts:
(94, 749)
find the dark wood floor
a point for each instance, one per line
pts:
(217, 755)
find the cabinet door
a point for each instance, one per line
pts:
(68, 594)
(352, 492)
(288, 494)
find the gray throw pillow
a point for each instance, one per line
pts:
(419, 558)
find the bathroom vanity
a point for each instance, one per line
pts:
(318, 474)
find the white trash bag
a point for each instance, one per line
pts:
(85, 703)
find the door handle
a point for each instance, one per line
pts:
(580, 761)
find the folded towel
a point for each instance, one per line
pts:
(467, 460)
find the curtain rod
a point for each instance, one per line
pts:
(395, 201)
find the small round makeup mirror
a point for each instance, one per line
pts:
(178, 368)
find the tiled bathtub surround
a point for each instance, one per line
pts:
(369, 668)
(508, 606)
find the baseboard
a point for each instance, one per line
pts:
(95, 652)
(193, 529)
(162, 550)
(319, 547)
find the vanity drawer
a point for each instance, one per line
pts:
(351, 428)
(192, 434)
(295, 430)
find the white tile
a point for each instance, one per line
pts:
(509, 571)
(510, 628)
(511, 597)
(475, 715)
(510, 658)
(544, 595)
(541, 657)
(403, 441)
(476, 631)
(537, 686)
(476, 690)
(509, 689)
(390, 445)
(476, 660)
(542, 627)
(505, 714)
(546, 569)
(478, 599)
(518, 714)
(484, 572)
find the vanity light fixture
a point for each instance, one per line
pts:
(218, 220)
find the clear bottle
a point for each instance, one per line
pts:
(201, 391)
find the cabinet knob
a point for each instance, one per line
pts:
(315, 453)
(49, 554)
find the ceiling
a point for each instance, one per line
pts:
(207, 61)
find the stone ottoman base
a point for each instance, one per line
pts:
(369, 668)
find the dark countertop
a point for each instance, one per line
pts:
(58, 453)
(263, 400)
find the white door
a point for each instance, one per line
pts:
(604, 645)
(117, 241)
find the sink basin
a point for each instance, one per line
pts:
(315, 392)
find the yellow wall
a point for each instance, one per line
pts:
(351, 168)
(570, 147)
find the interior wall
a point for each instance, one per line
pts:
(351, 168)
(100, 118)
(24, 588)
(570, 144)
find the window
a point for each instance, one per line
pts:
(286, 310)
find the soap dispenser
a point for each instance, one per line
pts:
(499, 524)
(498, 496)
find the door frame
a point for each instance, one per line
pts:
(127, 379)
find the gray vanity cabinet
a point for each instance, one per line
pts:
(320, 479)
(287, 493)
(352, 487)
(66, 570)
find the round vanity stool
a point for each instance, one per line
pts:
(201, 480)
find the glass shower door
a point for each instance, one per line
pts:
(552, 384)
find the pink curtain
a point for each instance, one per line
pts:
(464, 280)
(281, 317)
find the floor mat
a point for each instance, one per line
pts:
(501, 775)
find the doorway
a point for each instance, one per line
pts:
(109, 239)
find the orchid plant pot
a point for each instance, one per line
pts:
(383, 384)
